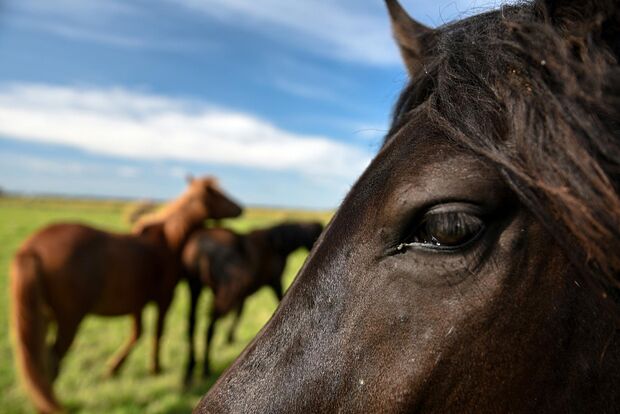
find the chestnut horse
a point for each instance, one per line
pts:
(234, 266)
(66, 271)
(474, 267)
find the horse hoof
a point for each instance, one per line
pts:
(156, 371)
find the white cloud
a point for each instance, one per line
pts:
(45, 166)
(124, 123)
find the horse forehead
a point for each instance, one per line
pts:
(417, 151)
(201, 184)
(421, 166)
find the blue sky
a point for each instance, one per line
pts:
(285, 101)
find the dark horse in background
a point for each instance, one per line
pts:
(474, 266)
(66, 271)
(234, 266)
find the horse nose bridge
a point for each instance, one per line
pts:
(277, 373)
(232, 206)
(297, 353)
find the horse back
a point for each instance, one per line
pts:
(86, 270)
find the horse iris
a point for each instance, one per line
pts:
(449, 229)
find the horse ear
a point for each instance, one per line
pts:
(413, 38)
(189, 178)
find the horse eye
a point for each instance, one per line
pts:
(448, 230)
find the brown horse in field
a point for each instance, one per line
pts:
(66, 271)
(474, 267)
(234, 266)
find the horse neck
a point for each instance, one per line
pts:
(180, 225)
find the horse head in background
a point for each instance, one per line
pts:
(474, 266)
(203, 199)
(67, 270)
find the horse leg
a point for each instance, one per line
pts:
(65, 333)
(194, 289)
(276, 285)
(162, 309)
(235, 323)
(116, 362)
(206, 370)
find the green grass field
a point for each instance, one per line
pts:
(81, 386)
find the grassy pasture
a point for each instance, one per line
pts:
(81, 386)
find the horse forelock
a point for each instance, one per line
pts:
(543, 106)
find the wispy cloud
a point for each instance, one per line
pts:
(76, 8)
(307, 91)
(40, 165)
(65, 167)
(110, 23)
(346, 30)
(137, 125)
(312, 91)
(341, 30)
(89, 35)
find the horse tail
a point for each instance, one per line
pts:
(29, 330)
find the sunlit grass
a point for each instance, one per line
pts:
(81, 386)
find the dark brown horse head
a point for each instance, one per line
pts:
(472, 266)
